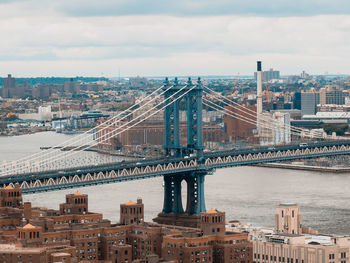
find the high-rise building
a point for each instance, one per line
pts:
(288, 219)
(309, 101)
(269, 75)
(281, 130)
(71, 87)
(8, 90)
(297, 100)
(266, 131)
(331, 95)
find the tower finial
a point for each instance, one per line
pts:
(189, 81)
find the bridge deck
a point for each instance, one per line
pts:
(142, 169)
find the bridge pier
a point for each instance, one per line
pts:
(173, 212)
(195, 193)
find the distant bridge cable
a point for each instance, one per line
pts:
(42, 163)
(24, 161)
(245, 109)
(267, 119)
(241, 117)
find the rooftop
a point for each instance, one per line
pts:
(13, 247)
(29, 226)
(130, 203)
(288, 204)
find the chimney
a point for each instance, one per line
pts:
(258, 97)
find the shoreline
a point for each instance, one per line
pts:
(305, 167)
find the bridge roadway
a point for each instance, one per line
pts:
(141, 169)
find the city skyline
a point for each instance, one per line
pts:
(160, 38)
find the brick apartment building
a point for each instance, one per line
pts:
(74, 234)
(237, 129)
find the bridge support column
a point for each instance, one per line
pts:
(167, 207)
(195, 193)
(172, 195)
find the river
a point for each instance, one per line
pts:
(248, 194)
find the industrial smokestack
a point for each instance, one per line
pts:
(258, 97)
(259, 66)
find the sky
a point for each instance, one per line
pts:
(173, 37)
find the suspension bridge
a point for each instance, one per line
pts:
(55, 169)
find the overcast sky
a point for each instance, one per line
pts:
(173, 37)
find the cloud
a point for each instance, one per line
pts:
(203, 7)
(37, 33)
(81, 8)
(205, 45)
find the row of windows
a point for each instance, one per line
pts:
(132, 210)
(13, 194)
(280, 259)
(283, 213)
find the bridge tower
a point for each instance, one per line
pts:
(173, 212)
(194, 119)
(193, 100)
(172, 144)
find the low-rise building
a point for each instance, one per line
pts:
(75, 234)
(291, 242)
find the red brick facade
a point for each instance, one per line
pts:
(238, 129)
(74, 234)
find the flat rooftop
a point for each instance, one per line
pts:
(288, 204)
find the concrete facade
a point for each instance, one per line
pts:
(290, 242)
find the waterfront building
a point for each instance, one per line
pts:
(292, 242)
(333, 117)
(266, 132)
(288, 219)
(238, 129)
(281, 129)
(333, 108)
(75, 234)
